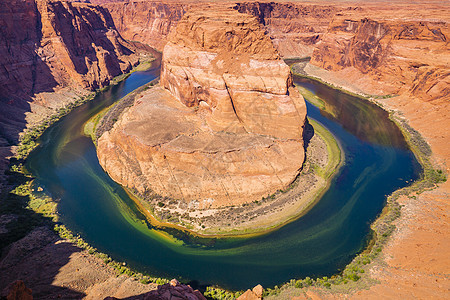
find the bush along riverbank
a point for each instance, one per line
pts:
(107, 117)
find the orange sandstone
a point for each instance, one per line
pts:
(227, 129)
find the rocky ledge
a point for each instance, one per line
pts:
(173, 291)
(224, 128)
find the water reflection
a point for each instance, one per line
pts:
(361, 118)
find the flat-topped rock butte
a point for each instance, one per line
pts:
(224, 128)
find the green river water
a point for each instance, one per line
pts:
(320, 243)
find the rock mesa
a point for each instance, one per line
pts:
(226, 125)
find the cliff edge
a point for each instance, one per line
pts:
(51, 54)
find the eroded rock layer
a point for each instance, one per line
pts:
(293, 27)
(48, 45)
(62, 43)
(224, 128)
(146, 21)
(401, 53)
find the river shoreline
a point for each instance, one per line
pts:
(377, 268)
(249, 220)
(385, 213)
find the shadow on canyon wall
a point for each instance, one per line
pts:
(23, 73)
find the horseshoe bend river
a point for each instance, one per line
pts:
(320, 243)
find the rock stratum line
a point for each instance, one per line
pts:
(226, 126)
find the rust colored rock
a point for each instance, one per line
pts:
(249, 295)
(87, 47)
(46, 46)
(258, 290)
(294, 28)
(230, 64)
(59, 44)
(169, 292)
(228, 128)
(18, 291)
(401, 54)
(146, 21)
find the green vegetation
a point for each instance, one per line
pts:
(120, 268)
(221, 294)
(27, 210)
(107, 117)
(28, 140)
(91, 125)
(335, 156)
(312, 98)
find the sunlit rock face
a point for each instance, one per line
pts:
(385, 54)
(231, 65)
(224, 128)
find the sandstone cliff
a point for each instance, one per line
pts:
(232, 71)
(49, 45)
(293, 28)
(389, 56)
(227, 129)
(146, 21)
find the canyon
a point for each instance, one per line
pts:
(226, 121)
(397, 54)
(385, 56)
(293, 28)
(61, 51)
